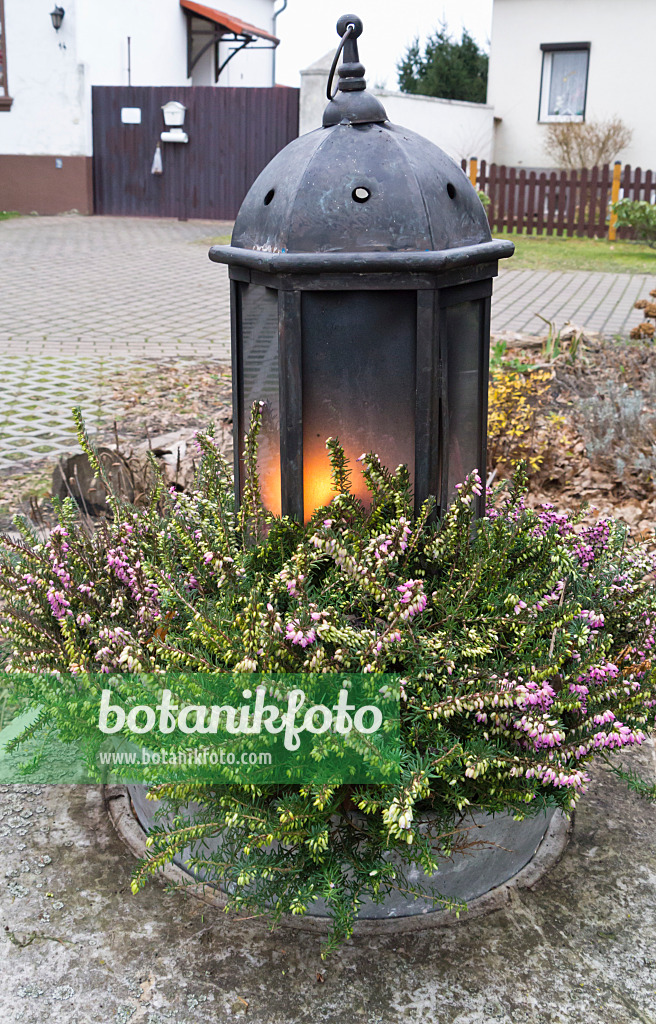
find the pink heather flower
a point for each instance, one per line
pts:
(294, 633)
(58, 603)
(594, 619)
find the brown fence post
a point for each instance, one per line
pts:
(530, 206)
(521, 200)
(571, 205)
(583, 194)
(482, 175)
(512, 200)
(473, 170)
(637, 182)
(482, 182)
(542, 198)
(501, 208)
(551, 203)
(592, 207)
(562, 195)
(493, 194)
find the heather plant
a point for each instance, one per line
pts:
(522, 640)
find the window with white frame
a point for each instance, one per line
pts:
(564, 81)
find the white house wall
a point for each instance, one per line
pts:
(620, 78)
(251, 67)
(50, 73)
(47, 80)
(46, 136)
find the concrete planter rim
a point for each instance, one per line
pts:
(548, 853)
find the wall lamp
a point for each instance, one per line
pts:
(57, 17)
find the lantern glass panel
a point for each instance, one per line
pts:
(358, 358)
(259, 321)
(466, 401)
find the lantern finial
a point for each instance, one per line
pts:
(350, 102)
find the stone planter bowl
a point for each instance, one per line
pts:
(513, 854)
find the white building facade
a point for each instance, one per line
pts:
(570, 60)
(47, 75)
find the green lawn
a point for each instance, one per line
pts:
(549, 252)
(7, 214)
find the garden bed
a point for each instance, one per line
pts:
(590, 425)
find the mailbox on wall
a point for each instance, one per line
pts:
(174, 115)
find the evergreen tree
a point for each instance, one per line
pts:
(446, 68)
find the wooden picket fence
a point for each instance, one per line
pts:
(558, 202)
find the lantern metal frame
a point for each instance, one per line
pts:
(394, 251)
(440, 280)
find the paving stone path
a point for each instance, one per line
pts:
(83, 296)
(602, 302)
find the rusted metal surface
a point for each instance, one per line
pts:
(233, 134)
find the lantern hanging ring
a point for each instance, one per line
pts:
(330, 92)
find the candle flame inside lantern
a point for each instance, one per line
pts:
(318, 488)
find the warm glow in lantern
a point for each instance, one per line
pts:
(361, 269)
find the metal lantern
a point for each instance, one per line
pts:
(57, 16)
(361, 268)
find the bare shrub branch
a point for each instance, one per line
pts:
(577, 144)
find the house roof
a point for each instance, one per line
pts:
(227, 21)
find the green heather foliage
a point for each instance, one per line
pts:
(446, 68)
(523, 640)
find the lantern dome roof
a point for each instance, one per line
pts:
(372, 187)
(361, 193)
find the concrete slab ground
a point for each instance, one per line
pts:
(78, 948)
(82, 295)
